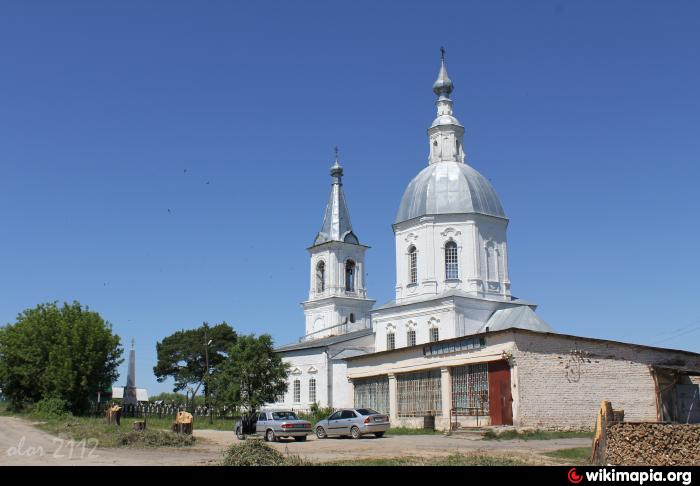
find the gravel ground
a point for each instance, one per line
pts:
(23, 444)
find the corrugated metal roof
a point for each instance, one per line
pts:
(521, 317)
(323, 342)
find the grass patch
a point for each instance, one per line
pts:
(580, 455)
(90, 428)
(535, 435)
(409, 431)
(451, 460)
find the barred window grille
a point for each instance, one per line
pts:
(297, 391)
(390, 340)
(470, 389)
(451, 264)
(412, 265)
(419, 393)
(411, 337)
(372, 393)
(312, 390)
(434, 334)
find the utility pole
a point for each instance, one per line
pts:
(207, 342)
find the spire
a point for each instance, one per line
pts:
(336, 220)
(445, 133)
(443, 85)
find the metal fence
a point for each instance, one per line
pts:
(165, 410)
(419, 393)
(372, 393)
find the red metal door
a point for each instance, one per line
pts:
(500, 397)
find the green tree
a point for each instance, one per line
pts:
(67, 352)
(253, 374)
(183, 355)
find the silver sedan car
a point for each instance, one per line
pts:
(355, 422)
(275, 424)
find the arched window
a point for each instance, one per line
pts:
(320, 277)
(312, 390)
(411, 337)
(350, 276)
(352, 318)
(297, 391)
(390, 340)
(451, 264)
(412, 265)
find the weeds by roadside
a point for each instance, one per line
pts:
(579, 455)
(535, 435)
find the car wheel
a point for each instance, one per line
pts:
(240, 434)
(355, 433)
(320, 433)
(300, 439)
(270, 436)
(379, 435)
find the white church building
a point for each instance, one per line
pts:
(455, 343)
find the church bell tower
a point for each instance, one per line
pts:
(337, 302)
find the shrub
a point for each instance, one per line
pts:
(257, 453)
(154, 438)
(50, 408)
(316, 413)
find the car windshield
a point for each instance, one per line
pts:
(366, 411)
(284, 416)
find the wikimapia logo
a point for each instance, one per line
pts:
(638, 477)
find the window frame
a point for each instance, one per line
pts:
(312, 388)
(411, 337)
(390, 336)
(296, 390)
(412, 265)
(451, 256)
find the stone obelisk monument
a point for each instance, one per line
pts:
(130, 388)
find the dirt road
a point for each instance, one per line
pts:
(22, 444)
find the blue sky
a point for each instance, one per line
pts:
(166, 163)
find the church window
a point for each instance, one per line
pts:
(412, 265)
(434, 334)
(390, 340)
(350, 276)
(297, 391)
(411, 337)
(312, 390)
(320, 277)
(451, 263)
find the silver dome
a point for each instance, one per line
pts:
(448, 188)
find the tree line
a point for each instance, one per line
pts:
(70, 353)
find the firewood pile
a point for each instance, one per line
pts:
(653, 444)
